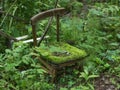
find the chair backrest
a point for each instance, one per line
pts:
(42, 15)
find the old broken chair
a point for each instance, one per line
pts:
(51, 61)
(11, 39)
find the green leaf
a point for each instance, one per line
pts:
(114, 44)
(63, 89)
(25, 61)
(1, 66)
(91, 86)
(93, 76)
(107, 65)
(118, 36)
(41, 71)
(30, 76)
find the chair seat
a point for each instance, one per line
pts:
(60, 53)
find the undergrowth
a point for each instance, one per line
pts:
(98, 34)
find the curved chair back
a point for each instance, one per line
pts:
(42, 15)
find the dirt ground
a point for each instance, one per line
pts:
(107, 82)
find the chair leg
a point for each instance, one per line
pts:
(54, 75)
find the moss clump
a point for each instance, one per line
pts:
(60, 53)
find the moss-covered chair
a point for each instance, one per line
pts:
(58, 55)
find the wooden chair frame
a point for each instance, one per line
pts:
(49, 67)
(53, 12)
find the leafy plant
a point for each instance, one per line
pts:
(97, 33)
(17, 68)
(87, 76)
(71, 28)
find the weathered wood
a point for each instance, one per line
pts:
(46, 29)
(51, 68)
(72, 62)
(55, 69)
(42, 15)
(22, 37)
(47, 65)
(57, 30)
(31, 40)
(47, 70)
(45, 14)
(49, 23)
(34, 35)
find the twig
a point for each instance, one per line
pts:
(7, 13)
(46, 29)
(7, 36)
(15, 17)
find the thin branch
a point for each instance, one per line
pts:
(46, 29)
(15, 17)
(7, 36)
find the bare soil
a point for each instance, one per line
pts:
(107, 82)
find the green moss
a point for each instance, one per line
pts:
(60, 53)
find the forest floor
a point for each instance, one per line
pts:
(107, 82)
